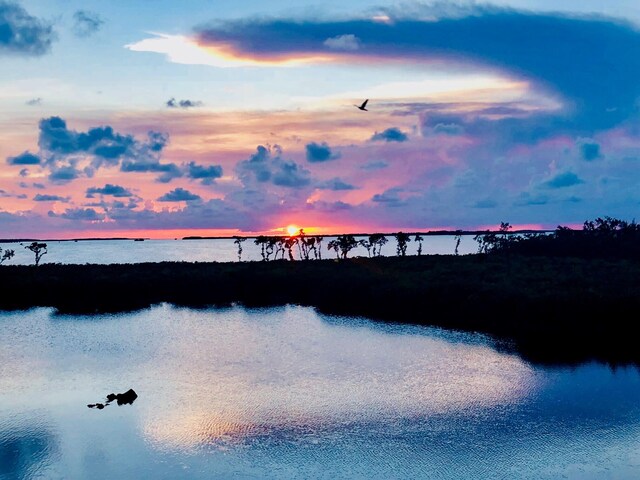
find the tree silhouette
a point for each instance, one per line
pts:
(289, 242)
(333, 245)
(39, 249)
(402, 239)
(377, 240)
(344, 244)
(280, 248)
(366, 244)
(261, 241)
(318, 250)
(493, 241)
(7, 255)
(271, 243)
(457, 238)
(238, 241)
(418, 238)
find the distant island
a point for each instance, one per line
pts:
(24, 240)
(563, 297)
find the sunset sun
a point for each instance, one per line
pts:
(292, 230)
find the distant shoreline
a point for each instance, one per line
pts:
(551, 310)
(198, 237)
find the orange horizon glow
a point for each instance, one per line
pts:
(290, 230)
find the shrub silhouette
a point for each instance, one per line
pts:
(7, 255)
(600, 238)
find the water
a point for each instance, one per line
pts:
(287, 393)
(210, 250)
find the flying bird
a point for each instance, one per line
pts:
(364, 104)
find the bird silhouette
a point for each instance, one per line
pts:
(362, 107)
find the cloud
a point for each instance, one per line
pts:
(290, 174)
(348, 42)
(526, 199)
(34, 102)
(179, 195)
(70, 154)
(330, 207)
(320, 152)
(389, 197)
(486, 203)
(64, 174)
(589, 149)
(21, 33)
(563, 180)
(5, 194)
(25, 158)
(512, 42)
(81, 214)
(375, 165)
(106, 145)
(206, 174)
(335, 184)
(169, 170)
(268, 166)
(172, 103)
(392, 134)
(86, 23)
(108, 189)
(50, 198)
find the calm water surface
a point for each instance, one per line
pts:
(208, 250)
(288, 393)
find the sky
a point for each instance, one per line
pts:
(163, 119)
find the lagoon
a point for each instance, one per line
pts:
(289, 393)
(201, 250)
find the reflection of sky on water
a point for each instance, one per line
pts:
(208, 250)
(280, 392)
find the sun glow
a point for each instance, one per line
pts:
(292, 230)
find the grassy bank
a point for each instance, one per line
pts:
(550, 309)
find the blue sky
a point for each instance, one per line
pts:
(239, 116)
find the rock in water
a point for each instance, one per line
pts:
(126, 398)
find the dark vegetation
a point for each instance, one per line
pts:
(560, 297)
